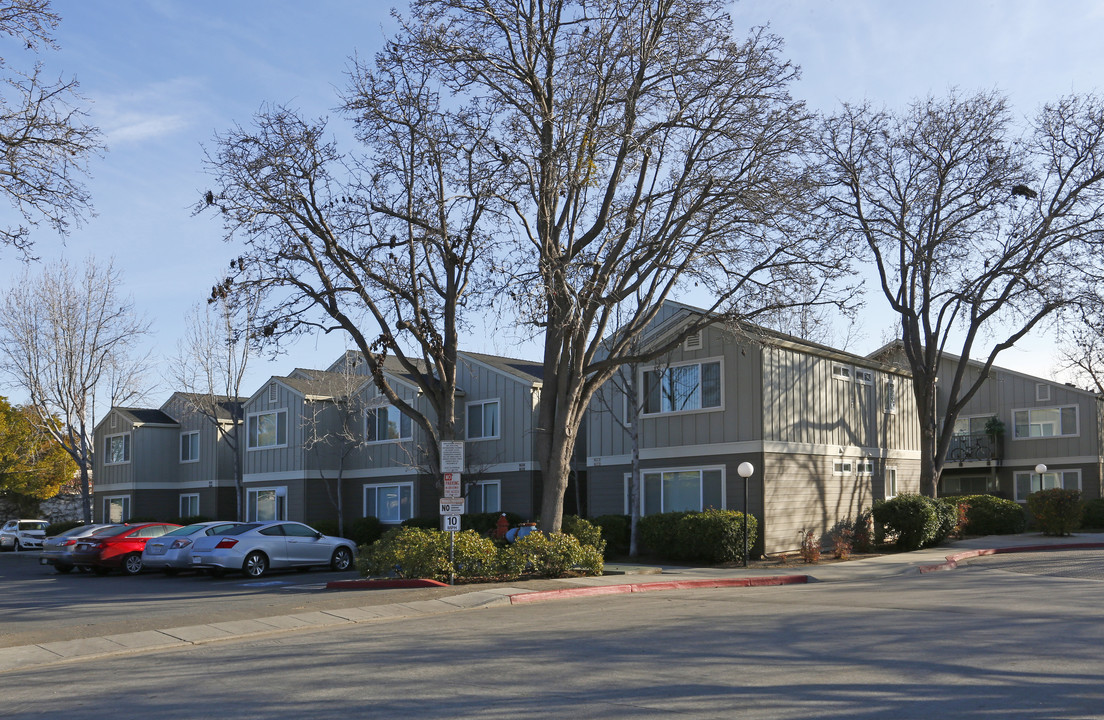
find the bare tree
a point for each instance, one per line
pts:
(45, 140)
(210, 367)
(977, 234)
(69, 340)
(646, 152)
(386, 247)
(1081, 341)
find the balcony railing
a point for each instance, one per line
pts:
(975, 447)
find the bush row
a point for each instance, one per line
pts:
(414, 552)
(715, 536)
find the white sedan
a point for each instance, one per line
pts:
(255, 548)
(23, 534)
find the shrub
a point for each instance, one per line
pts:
(551, 555)
(713, 535)
(914, 519)
(407, 552)
(991, 515)
(863, 533)
(616, 532)
(586, 532)
(842, 543)
(810, 546)
(365, 530)
(946, 511)
(1093, 515)
(1056, 511)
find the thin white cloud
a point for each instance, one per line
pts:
(148, 113)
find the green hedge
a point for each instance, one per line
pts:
(917, 520)
(413, 552)
(1055, 511)
(714, 536)
(616, 532)
(586, 532)
(991, 515)
(1092, 515)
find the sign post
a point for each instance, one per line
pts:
(452, 503)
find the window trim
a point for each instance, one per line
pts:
(843, 468)
(467, 418)
(376, 486)
(126, 449)
(700, 469)
(184, 434)
(251, 418)
(890, 470)
(863, 376)
(400, 438)
(281, 492)
(864, 468)
(1050, 471)
(126, 507)
(1059, 408)
(479, 486)
(642, 387)
(180, 505)
(842, 372)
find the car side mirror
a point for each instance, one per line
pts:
(319, 535)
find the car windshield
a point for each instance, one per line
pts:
(33, 525)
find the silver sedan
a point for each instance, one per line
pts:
(255, 548)
(172, 552)
(57, 550)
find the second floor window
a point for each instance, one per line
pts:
(189, 449)
(267, 430)
(483, 420)
(385, 424)
(682, 387)
(117, 449)
(1045, 422)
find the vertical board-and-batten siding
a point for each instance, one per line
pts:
(282, 459)
(516, 415)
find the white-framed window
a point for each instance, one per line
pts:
(483, 420)
(265, 504)
(189, 448)
(1030, 482)
(116, 509)
(485, 496)
(387, 424)
(682, 388)
(971, 424)
(117, 449)
(693, 489)
(1042, 392)
(842, 467)
(890, 482)
(267, 430)
(864, 376)
(841, 372)
(189, 505)
(391, 503)
(1045, 422)
(891, 396)
(865, 467)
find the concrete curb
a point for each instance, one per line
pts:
(952, 560)
(567, 593)
(386, 584)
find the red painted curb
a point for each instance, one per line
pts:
(953, 560)
(381, 584)
(543, 595)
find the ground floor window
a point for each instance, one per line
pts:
(485, 496)
(679, 490)
(890, 482)
(116, 509)
(967, 485)
(1029, 482)
(189, 505)
(389, 503)
(265, 504)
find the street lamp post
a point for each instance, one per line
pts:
(1040, 469)
(745, 470)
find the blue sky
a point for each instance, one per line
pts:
(164, 76)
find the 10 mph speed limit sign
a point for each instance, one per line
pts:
(452, 523)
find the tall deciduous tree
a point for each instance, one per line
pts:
(646, 151)
(977, 229)
(44, 138)
(385, 246)
(32, 464)
(210, 368)
(70, 340)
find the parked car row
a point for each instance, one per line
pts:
(213, 547)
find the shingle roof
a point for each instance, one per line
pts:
(529, 370)
(222, 405)
(146, 416)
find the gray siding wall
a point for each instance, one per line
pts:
(517, 415)
(282, 459)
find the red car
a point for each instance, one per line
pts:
(120, 548)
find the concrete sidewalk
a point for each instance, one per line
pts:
(628, 579)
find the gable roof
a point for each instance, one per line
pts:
(528, 371)
(145, 416)
(223, 406)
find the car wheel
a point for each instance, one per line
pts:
(63, 569)
(132, 564)
(100, 570)
(341, 559)
(255, 565)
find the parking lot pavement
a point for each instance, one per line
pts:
(377, 606)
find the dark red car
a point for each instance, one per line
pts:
(118, 548)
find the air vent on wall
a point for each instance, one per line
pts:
(694, 342)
